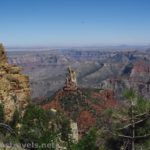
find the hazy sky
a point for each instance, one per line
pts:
(74, 22)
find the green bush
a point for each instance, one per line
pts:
(43, 127)
(88, 142)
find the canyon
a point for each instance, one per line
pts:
(95, 68)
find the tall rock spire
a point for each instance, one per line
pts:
(71, 80)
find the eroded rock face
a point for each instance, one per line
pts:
(14, 88)
(71, 81)
(3, 58)
(138, 79)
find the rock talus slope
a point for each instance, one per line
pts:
(14, 87)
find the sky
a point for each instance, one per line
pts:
(57, 23)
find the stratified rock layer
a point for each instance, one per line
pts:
(14, 88)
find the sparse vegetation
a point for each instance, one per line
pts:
(113, 131)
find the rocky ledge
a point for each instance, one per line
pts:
(14, 87)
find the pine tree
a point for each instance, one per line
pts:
(137, 128)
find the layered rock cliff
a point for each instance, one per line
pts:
(14, 87)
(135, 76)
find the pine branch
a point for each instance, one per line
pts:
(136, 123)
(142, 137)
(7, 127)
(142, 115)
(136, 137)
(125, 136)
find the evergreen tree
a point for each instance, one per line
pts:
(128, 127)
(137, 130)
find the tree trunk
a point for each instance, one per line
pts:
(133, 127)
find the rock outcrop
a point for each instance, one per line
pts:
(71, 81)
(14, 87)
(83, 106)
